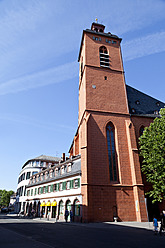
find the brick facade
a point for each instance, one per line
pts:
(102, 100)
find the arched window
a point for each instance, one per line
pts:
(104, 57)
(141, 130)
(61, 208)
(112, 158)
(76, 208)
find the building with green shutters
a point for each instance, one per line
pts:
(55, 189)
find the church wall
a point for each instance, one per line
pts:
(104, 195)
(109, 95)
(98, 168)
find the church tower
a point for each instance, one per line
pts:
(111, 177)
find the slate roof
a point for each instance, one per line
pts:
(43, 158)
(141, 104)
(47, 158)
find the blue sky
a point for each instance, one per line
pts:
(39, 45)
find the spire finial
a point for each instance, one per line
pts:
(96, 19)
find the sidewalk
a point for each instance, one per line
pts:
(144, 225)
(134, 224)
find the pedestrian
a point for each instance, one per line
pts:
(66, 215)
(71, 215)
(155, 225)
(48, 215)
(33, 213)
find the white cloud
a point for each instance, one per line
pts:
(42, 78)
(28, 120)
(140, 47)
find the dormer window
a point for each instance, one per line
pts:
(49, 165)
(51, 173)
(62, 170)
(104, 57)
(69, 167)
(156, 112)
(133, 110)
(137, 102)
(56, 171)
(34, 179)
(46, 175)
(158, 104)
(42, 176)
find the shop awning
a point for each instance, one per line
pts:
(54, 203)
(43, 204)
(48, 204)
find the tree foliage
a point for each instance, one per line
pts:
(5, 197)
(152, 149)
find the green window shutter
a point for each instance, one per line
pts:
(38, 191)
(72, 184)
(58, 186)
(35, 191)
(41, 190)
(64, 185)
(46, 189)
(31, 192)
(78, 182)
(51, 188)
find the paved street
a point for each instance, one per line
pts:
(16, 232)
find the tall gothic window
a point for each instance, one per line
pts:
(141, 130)
(112, 158)
(104, 57)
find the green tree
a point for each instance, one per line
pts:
(5, 197)
(152, 149)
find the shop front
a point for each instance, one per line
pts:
(48, 210)
(43, 204)
(54, 209)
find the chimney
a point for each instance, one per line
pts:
(63, 157)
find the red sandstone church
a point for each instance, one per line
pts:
(112, 116)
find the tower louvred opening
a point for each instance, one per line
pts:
(104, 57)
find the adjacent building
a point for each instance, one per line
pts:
(30, 168)
(55, 189)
